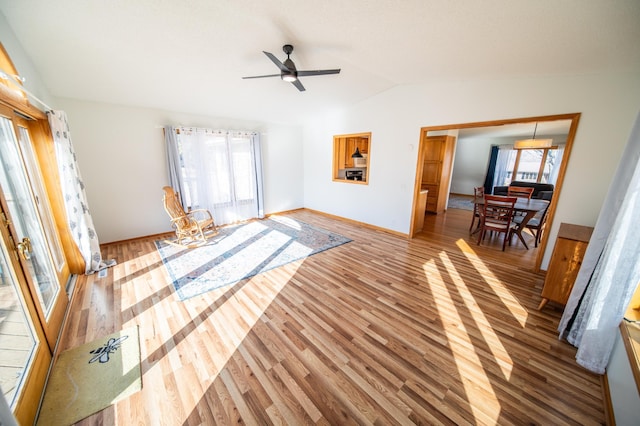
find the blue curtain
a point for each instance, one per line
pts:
(491, 170)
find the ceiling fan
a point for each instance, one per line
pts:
(288, 71)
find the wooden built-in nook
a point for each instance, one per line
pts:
(351, 158)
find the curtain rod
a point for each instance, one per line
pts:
(17, 81)
(214, 131)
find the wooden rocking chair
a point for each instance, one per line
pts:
(192, 226)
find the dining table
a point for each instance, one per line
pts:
(528, 206)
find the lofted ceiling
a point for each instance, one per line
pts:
(190, 55)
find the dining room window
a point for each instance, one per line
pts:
(527, 165)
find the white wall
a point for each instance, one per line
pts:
(622, 386)
(470, 164)
(121, 154)
(22, 63)
(608, 103)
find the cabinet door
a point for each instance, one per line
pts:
(563, 269)
(431, 172)
(433, 148)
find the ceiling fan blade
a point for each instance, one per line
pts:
(262, 76)
(298, 85)
(276, 61)
(317, 72)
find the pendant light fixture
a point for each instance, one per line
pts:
(356, 154)
(533, 143)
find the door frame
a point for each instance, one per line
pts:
(575, 119)
(52, 325)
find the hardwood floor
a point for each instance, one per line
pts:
(381, 330)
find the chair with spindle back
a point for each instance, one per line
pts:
(496, 215)
(520, 192)
(194, 225)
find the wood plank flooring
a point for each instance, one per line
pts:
(381, 330)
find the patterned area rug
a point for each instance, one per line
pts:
(464, 202)
(242, 251)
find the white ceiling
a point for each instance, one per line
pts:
(190, 55)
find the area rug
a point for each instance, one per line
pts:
(463, 202)
(242, 251)
(91, 377)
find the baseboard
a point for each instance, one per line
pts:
(363, 224)
(606, 399)
(355, 222)
(127, 240)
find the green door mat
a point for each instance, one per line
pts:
(91, 377)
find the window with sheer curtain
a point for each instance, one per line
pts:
(220, 171)
(526, 165)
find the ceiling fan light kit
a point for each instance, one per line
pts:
(288, 71)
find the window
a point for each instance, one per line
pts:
(528, 165)
(219, 171)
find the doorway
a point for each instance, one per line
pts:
(454, 128)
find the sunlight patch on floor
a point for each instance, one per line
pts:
(233, 321)
(510, 302)
(491, 339)
(477, 386)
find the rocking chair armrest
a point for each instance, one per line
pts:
(177, 219)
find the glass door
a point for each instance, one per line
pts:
(27, 233)
(24, 353)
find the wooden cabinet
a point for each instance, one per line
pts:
(565, 262)
(347, 146)
(436, 170)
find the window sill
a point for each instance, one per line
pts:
(631, 337)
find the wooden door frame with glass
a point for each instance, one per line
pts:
(25, 224)
(23, 379)
(27, 144)
(35, 275)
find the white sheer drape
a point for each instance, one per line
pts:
(219, 171)
(610, 270)
(555, 168)
(506, 157)
(75, 198)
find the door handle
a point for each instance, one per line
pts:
(24, 248)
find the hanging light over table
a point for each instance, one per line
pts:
(533, 143)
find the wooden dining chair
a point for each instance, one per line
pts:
(496, 216)
(520, 192)
(192, 226)
(536, 225)
(478, 192)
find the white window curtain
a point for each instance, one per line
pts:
(557, 162)
(75, 198)
(220, 171)
(506, 157)
(610, 270)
